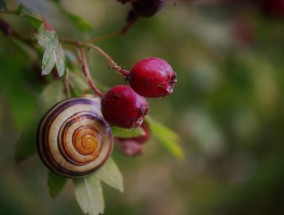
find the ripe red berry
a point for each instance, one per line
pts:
(122, 107)
(152, 78)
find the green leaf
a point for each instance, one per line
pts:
(88, 191)
(127, 133)
(111, 175)
(89, 195)
(35, 19)
(168, 138)
(55, 184)
(3, 5)
(52, 93)
(53, 54)
(26, 145)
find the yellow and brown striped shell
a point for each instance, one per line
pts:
(73, 139)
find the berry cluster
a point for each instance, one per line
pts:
(125, 106)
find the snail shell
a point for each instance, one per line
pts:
(73, 139)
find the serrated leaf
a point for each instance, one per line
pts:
(3, 5)
(168, 138)
(111, 175)
(127, 133)
(89, 195)
(53, 54)
(55, 184)
(30, 14)
(26, 145)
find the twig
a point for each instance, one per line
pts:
(67, 83)
(8, 31)
(114, 65)
(104, 37)
(86, 71)
(131, 22)
(9, 12)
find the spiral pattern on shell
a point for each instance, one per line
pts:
(73, 139)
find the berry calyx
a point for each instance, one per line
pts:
(123, 107)
(152, 78)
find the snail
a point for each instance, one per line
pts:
(73, 139)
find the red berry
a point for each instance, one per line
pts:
(152, 78)
(122, 107)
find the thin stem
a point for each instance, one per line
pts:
(114, 65)
(9, 12)
(8, 30)
(79, 44)
(126, 28)
(27, 41)
(67, 83)
(104, 37)
(86, 71)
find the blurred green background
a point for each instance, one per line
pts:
(227, 108)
